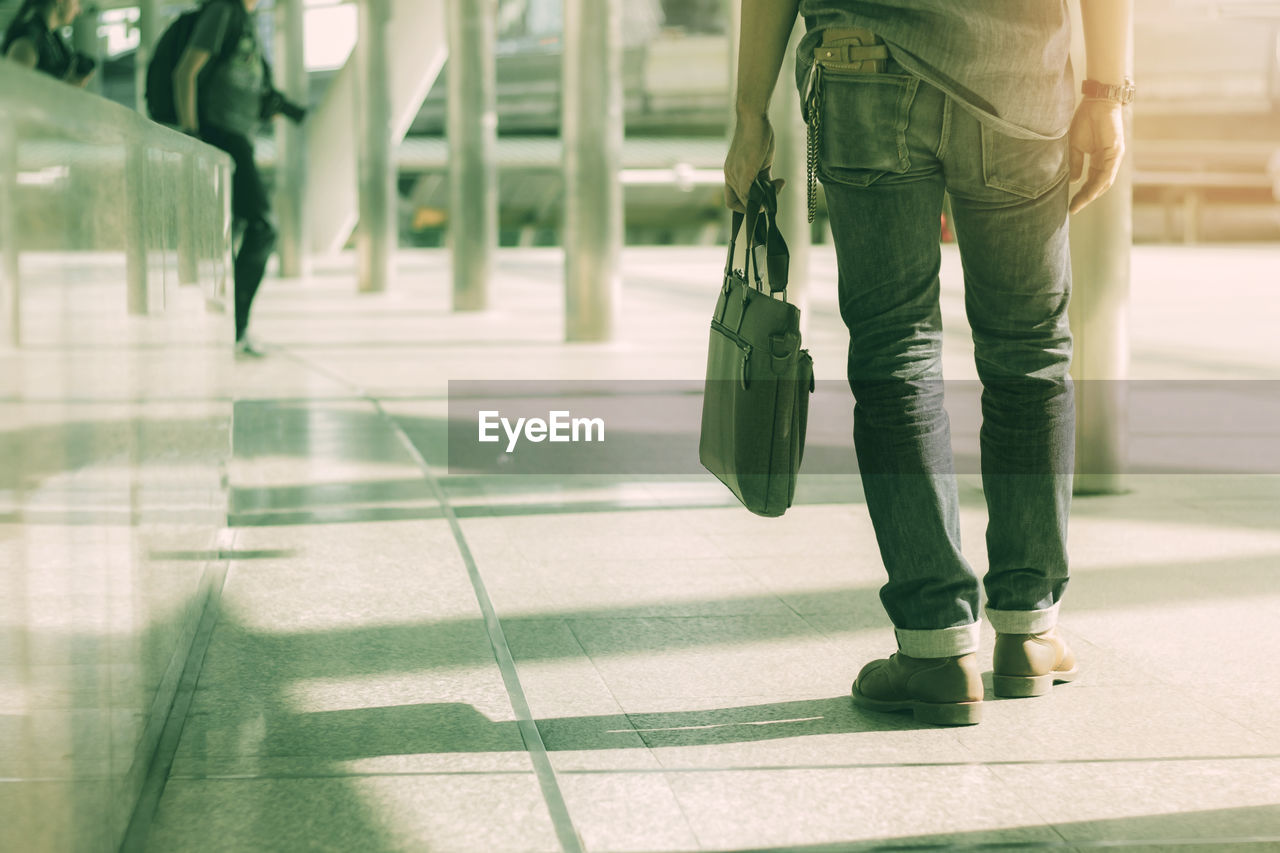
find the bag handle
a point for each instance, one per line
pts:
(761, 202)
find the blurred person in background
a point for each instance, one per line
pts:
(906, 100)
(220, 86)
(34, 39)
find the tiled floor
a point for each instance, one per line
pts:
(688, 664)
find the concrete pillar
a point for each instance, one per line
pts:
(1101, 238)
(10, 290)
(790, 161)
(135, 229)
(150, 26)
(291, 139)
(592, 130)
(85, 39)
(473, 140)
(418, 51)
(188, 230)
(735, 42)
(224, 264)
(376, 233)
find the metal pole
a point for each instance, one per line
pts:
(150, 26)
(291, 140)
(591, 127)
(1101, 237)
(790, 162)
(376, 234)
(473, 141)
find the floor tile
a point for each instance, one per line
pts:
(698, 662)
(626, 812)
(758, 809)
(368, 813)
(1155, 800)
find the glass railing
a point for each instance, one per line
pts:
(115, 433)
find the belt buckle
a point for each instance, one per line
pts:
(836, 52)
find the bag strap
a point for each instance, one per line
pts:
(761, 220)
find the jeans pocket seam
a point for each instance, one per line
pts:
(900, 118)
(1025, 190)
(903, 120)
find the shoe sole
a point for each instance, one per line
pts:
(1024, 686)
(936, 713)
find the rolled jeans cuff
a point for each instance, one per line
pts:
(940, 643)
(1023, 621)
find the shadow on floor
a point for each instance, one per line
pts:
(454, 727)
(1255, 829)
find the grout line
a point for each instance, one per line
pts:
(890, 765)
(761, 768)
(570, 841)
(680, 806)
(560, 818)
(926, 843)
(367, 774)
(153, 786)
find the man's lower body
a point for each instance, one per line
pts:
(891, 145)
(251, 209)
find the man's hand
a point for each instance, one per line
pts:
(750, 156)
(1097, 130)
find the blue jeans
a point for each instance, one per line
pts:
(891, 143)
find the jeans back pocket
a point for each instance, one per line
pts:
(1024, 167)
(864, 126)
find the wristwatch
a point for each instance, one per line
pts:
(1122, 94)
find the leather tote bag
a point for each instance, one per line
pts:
(756, 400)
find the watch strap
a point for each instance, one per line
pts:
(1121, 94)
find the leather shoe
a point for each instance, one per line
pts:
(1030, 664)
(942, 691)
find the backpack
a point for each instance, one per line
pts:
(161, 105)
